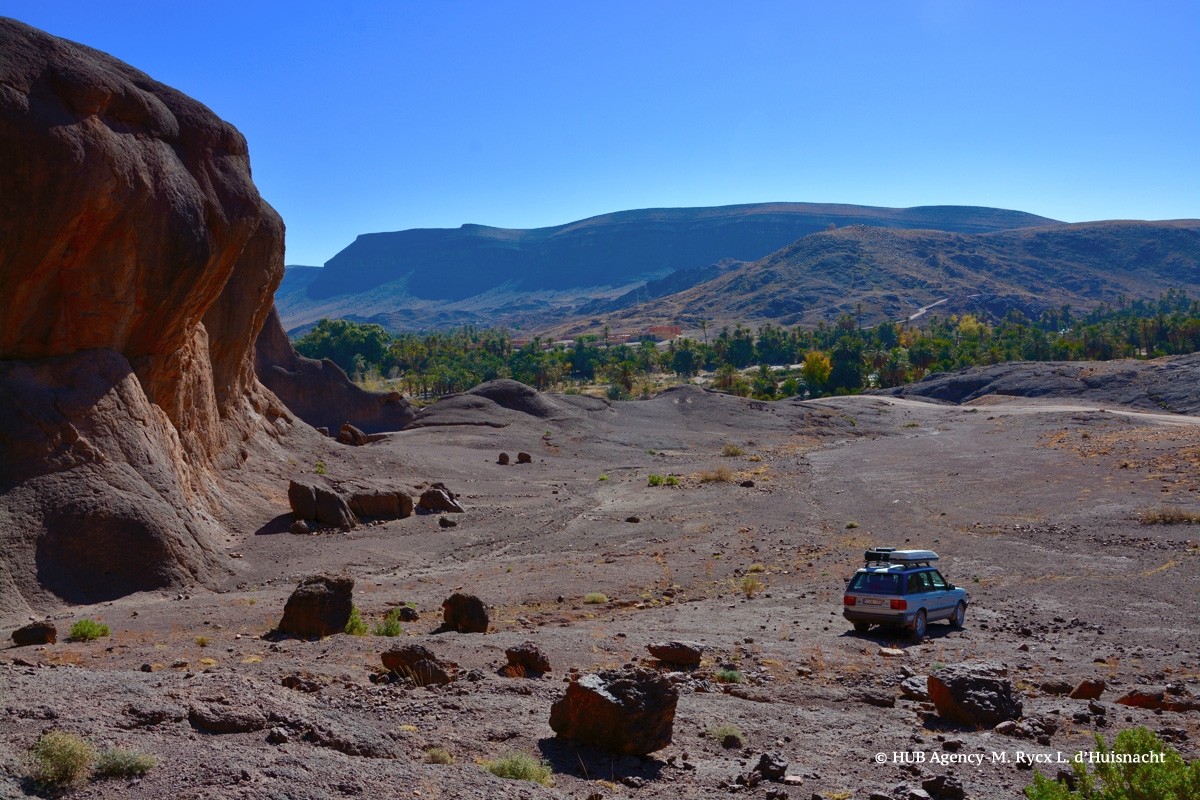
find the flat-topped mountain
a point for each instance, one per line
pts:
(476, 273)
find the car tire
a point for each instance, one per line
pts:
(862, 627)
(960, 615)
(919, 625)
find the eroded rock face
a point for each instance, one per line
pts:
(319, 606)
(137, 265)
(977, 693)
(625, 711)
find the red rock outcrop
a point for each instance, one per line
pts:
(137, 266)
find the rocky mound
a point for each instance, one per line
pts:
(1164, 384)
(502, 402)
(137, 265)
(318, 391)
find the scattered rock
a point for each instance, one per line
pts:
(876, 697)
(524, 458)
(976, 693)
(529, 657)
(633, 519)
(218, 718)
(446, 522)
(303, 499)
(408, 614)
(35, 633)
(1088, 689)
(915, 688)
(278, 736)
(503, 460)
(679, 653)
(944, 787)
(300, 684)
(626, 711)
(747, 484)
(1056, 687)
(892, 652)
(300, 527)
(319, 606)
(439, 498)
(464, 613)
(150, 713)
(772, 766)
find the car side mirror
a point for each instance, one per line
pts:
(952, 586)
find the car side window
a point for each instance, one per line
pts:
(916, 583)
(939, 583)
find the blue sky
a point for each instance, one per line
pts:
(382, 116)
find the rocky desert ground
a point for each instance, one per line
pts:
(1032, 505)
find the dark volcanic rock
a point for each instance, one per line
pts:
(319, 606)
(380, 504)
(524, 458)
(217, 718)
(1088, 689)
(502, 460)
(626, 711)
(319, 392)
(681, 653)
(332, 508)
(439, 498)
(351, 435)
(976, 693)
(1160, 698)
(418, 663)
(464, 613)
(773, 766)
(35, 633)
(529, 657)
(303, 499)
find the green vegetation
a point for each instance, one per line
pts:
(438, 755)
(1173, 779)
(520, 767)
(655, 480)
(356, 626)
(728, 676)
(728, 734)
(751, 586)
(731, 451)
(851, 525)
(202, 641)
(595, 597)
(319, 469)
(838, 358)
(86, 630)
(671, 480)
(390, 625)
(61, 760)
(117, 762)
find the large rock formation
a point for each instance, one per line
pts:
(627, 711)
(137, 265)
(318, 391)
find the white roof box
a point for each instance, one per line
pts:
(899, 556)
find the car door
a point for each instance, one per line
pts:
(916, 592)
(941, 599)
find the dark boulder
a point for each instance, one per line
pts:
(464, 613)
(408, 614)
(528, 657)
(1088, 689)
(419, 664)
(625, 711)
(348, 434)
(1158, 698)
(303, 499)
(332, 509)
(218, 718)
(685, 654)
(503, 460)
(524, 458)
(773, 766)
(975, 693)
(319, 606)
(439, 498)
(35, 633)
(380, 504)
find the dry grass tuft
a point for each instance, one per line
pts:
(721, 474)
(1168, 515)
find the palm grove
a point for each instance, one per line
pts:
(766, 363)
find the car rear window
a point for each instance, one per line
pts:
(875, 583)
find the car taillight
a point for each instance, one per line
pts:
(847, 600)
(900, 605)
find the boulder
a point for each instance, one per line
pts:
(408, 614)
(332, 509)
(524, 458)
(1056, 686)
(915, 688)
(464, 613)
(419, 664)
(529, 657)
(380, 504)
(35, 633)
(446, 522)
(303, 499)
(1088, 689)
(975, 693)
(348, 434)
(772, 765)
(684, 654)
(1175, 698)
(503, 460)
(218, 718)
(439, 498)
(319, 606)
(622, 711)
(944, 787)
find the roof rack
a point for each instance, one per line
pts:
(893, 556)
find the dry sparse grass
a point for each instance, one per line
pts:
(751, 585)
(721, 474)
(520, 767)
(731, 451)
(1168, 515)
(593, 598)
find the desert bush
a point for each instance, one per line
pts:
(117, 762)
(727, 732)
(751, 586)
(671, 480)
(86, 630)
(595, 597)
(1167, 515)
(319, 469)
(438, 755)
(850, 525)
(390, 625)
(655, 480)
(615, 392)
(757, 568)
(61, 760)
(728, 676)
(520, 767)
(602, 477)
(356, 626)
(731, 450)
(202, 641)
(1172, 779)
(755, 458)
(721, 474)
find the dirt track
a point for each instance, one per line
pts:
(1032, 506)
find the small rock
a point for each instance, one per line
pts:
(793, 780)
(446, 522)
(524, 458)
(633, 519)
(408, 614)
(892, 652)
(278, 736)
(1088, 689)
(772, 766)
(351, 435)
(147, 668)
(439, 498)
(944, 787)
(915, 688)
(747, 484)
(503, 459)
(299, 526)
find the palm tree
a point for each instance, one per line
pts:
(704, 329)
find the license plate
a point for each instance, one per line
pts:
(872, 601)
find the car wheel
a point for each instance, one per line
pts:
(918, 628)
(862, 627)
(960, 614)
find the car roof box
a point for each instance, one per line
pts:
(894, 556)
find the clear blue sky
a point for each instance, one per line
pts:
(382, 116)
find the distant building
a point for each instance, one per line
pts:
(663, 332)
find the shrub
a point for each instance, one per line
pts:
(117, 762)
(438, 755)
(728, 676)
(602, 477)
(1173, 778)
(671, 480)
(651, 452)
(727, 733)
(595, 597)
(356, 626)
(721, 474)
(757, 568)
(520, 767)
(1167, 515)
(61, 759)
(850, 525)
(202, 641)
(751, 586)
(390, 626)
(731, 450)
(319, 469)
(655, 480)
(86, 630)
(755, 458)
(614, 392)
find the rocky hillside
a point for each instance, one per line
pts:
(894, 273)
(480, 274)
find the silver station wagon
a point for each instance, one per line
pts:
(900, 588)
